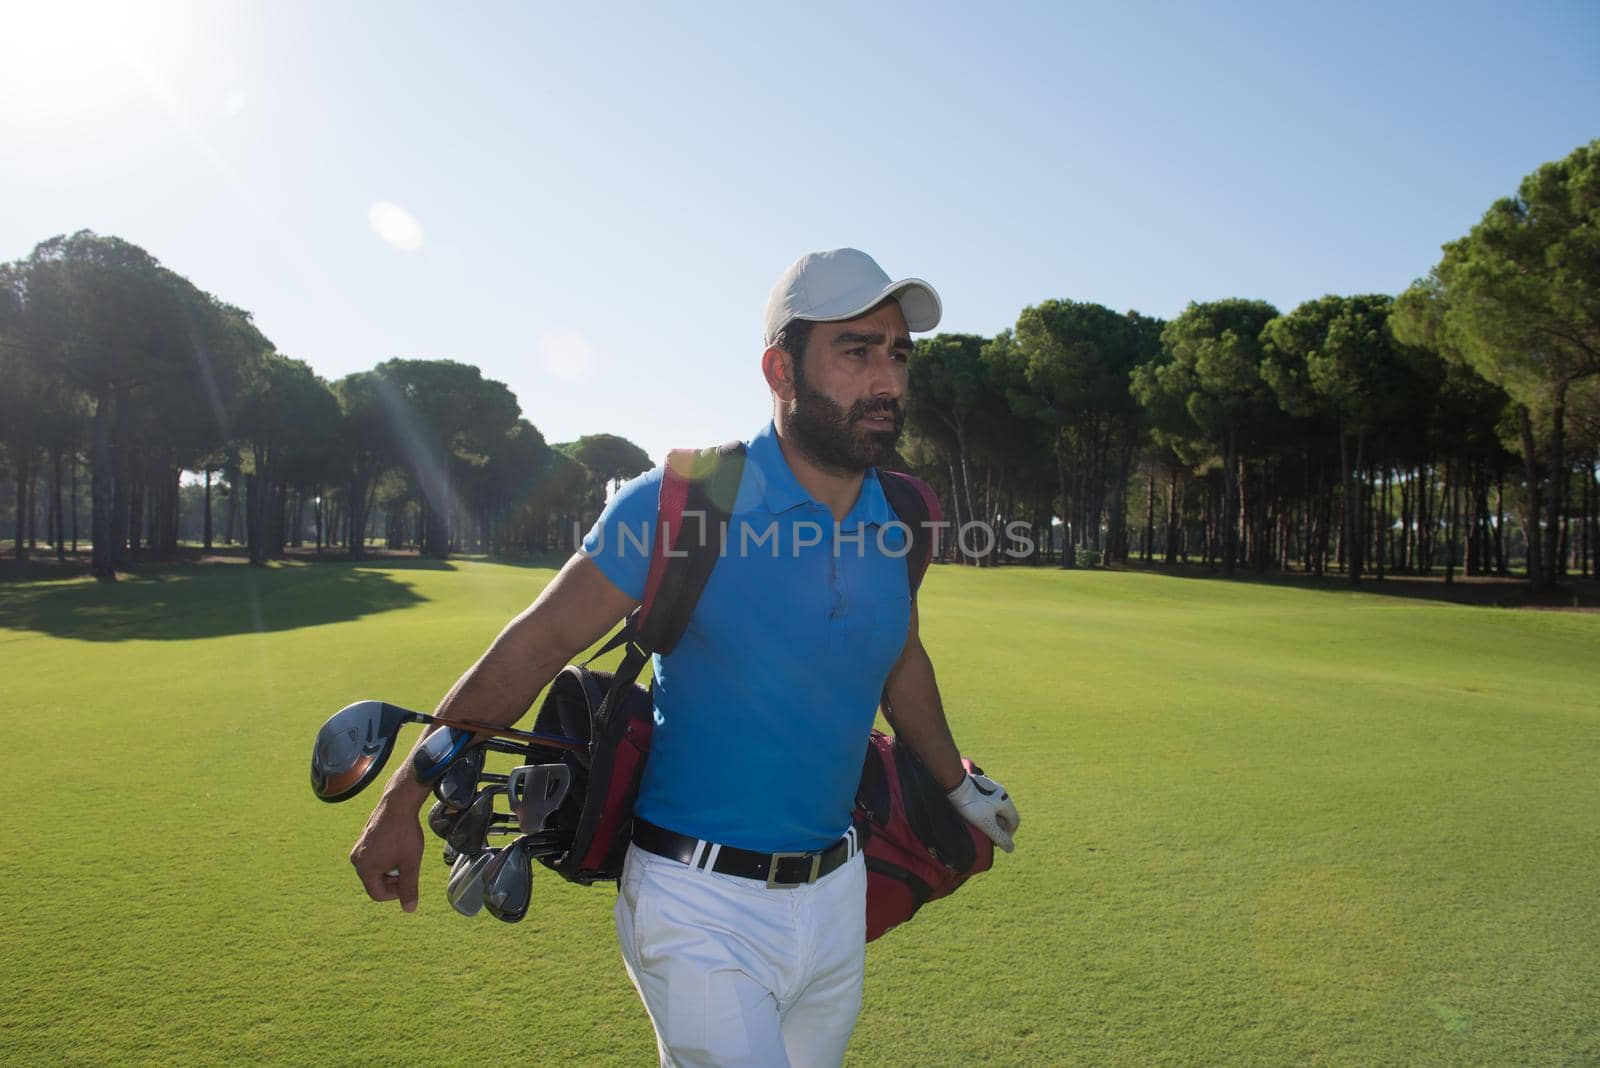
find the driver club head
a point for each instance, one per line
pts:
(353, 746)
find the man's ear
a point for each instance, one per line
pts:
(778, 368)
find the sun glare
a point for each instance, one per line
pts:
(64, 58)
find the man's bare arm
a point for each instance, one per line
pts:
(916, 712)
(578, 607)
(917, 715)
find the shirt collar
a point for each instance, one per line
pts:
(780, 491)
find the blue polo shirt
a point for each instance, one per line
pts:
(763, 708)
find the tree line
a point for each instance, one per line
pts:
(1454, 427)
(115, 366)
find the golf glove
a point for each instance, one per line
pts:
(985, 804)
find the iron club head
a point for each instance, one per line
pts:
(465, 887)
(508, 882)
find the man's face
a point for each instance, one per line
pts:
(846, 414)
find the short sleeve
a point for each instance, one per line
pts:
(620, 540)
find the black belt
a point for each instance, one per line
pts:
(778, 870)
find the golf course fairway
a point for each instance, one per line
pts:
(1261, 824)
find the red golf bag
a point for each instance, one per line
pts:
(918, 847)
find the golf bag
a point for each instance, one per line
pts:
(918, 847)
(914, 853)
(610, 710)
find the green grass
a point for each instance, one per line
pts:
(1262, 825)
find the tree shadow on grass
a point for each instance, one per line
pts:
(179, 603)
(1573, 592)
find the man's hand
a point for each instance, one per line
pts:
(388, 856)
(985, 804)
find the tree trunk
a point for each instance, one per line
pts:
(1591, 525)
(1552, 558)
(207, 532)
(1592, 483)
(279, 524)
(57, 532)
(1530, 516)
(1173, 517)
(1502, 566)
(358, 504)
(1469, 515)
(1407, 506)
(965, 489)
(72, 466)
(258, 487)
(122, 488)
(1353, 527)
(1069, 558)
(1149, 514)
(1448, 506)
(102, 495)
(1182, 528)
(1386, 522)
(1208, 550)
(1375, 513)
(1428, 522)
(33, 509)
(24, 480)
(1228, 521)
(1566, 544)
(955, 505)
(164, 498)
(135, 515)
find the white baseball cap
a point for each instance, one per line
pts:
(842, 283)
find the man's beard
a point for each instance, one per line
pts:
(831, 436)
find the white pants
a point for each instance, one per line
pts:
(733, 973)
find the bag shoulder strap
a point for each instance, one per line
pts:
(917, 506)
(698, 487)
(697, 493)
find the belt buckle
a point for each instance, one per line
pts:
(772, 870)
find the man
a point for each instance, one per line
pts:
(741, 909)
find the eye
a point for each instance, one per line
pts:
(859, 350)
(900, 356)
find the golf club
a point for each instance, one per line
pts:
(356, 741)
(536, 791)
(469, 832)
(464, 890)
(459, 784)
(442, 820)
(440, 817)
(444, 750)
(507, 882)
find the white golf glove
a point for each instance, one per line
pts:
(985, 804)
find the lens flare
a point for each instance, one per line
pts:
(395, 225)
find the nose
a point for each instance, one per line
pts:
(888, 377)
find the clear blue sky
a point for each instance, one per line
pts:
(591, 202)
